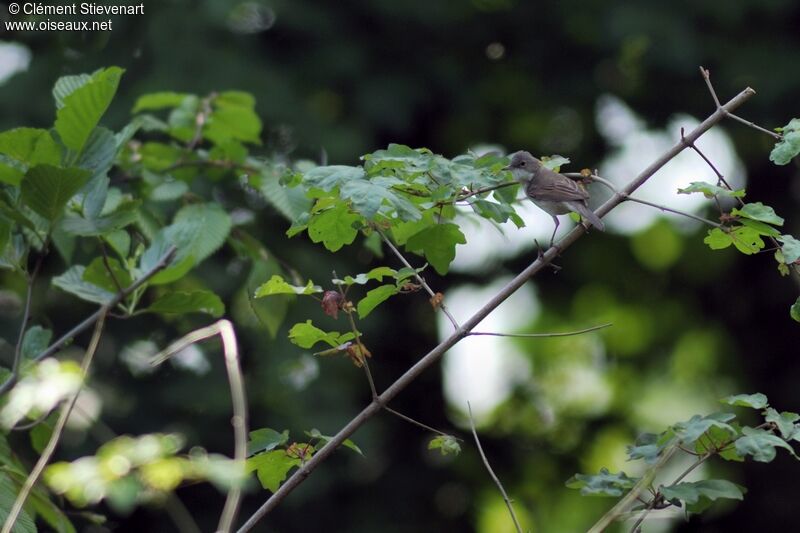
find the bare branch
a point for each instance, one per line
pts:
(491, 472)
(417, 422)
(225, 330)
(537, 335)
(512, 286)
(419, 278)
(47, 453)
(707, 77)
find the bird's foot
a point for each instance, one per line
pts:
(540, 255)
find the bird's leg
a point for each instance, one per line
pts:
(553, 237)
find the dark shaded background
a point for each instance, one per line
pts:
(339, 79)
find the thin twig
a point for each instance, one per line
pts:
(47, 453)
(629, 198)
(541, 262)
(491, 472)
(419, 278)
(68, 336)
(225, 330)
(707, 77)
(536, 335)
(26, 315)
(106, 263)
(417, 422)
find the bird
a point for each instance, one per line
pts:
(552, 192)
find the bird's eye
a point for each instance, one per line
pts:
(522, 163)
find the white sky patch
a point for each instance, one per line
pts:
(14, 57)
(483, 370)
(636, 147)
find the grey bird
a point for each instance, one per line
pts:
(550, 191)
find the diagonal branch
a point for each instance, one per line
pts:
(91, 319)
(512, 286)
(48, 451)
(537, 335)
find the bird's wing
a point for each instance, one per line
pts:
(554, 187)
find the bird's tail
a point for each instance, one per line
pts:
(588, 214)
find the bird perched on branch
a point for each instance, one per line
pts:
(550, 191)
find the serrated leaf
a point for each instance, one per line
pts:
(374, 298)
(182, 302)
(785, 421)
(84, 106)
(760, 444)
(125, 215)
(36, 340)
(233, 118)
(290, 202)
(377, 274)
(698, 495)
(602, 484)
(159, 100)
(306, 335)
(794, 310)
(446, 444)
(277, 285)
(333, 227)
(790, 248)
(710, 190)
(66, 85)
(329, 177)
(692, 429)
(265, 439)
(438, 244)
(758, 211)
(272, 467)
(72, 282)
(788, 147)
(8, 495)
(755, 401)
(47, 189)
(31, 146)
(369, 196)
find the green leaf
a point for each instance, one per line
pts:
(755, 401)
(8, 494)
(41, 433)
(647, 447)
(747, 240)
(5, 234)
(10, 173)
(760, 444)
(158, 157)
(692, 429)
(315, 434)
(291, 203)
(233, 118)
(698, 495)
(31, 146)
(788, 147)
(794, 310)
(554, 162)
(72, 282)
(168, 191)
(446, 444)
(438, 244)
(602, 484)
(306, 335)
(710, 191)
(377, 273)
(182, 302)
(97, 273)
(277, 285)
(334, 227)
(47, 189)
(760, 227)
(272, 467)
(790, 248)
(84, 106)
(266, 439)
(369, 196)
(758, 211)
(36, 340)
(374, 298)
(329, 177)
(124, 215)
(66, 85)
(785, 421)
(160, 100)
